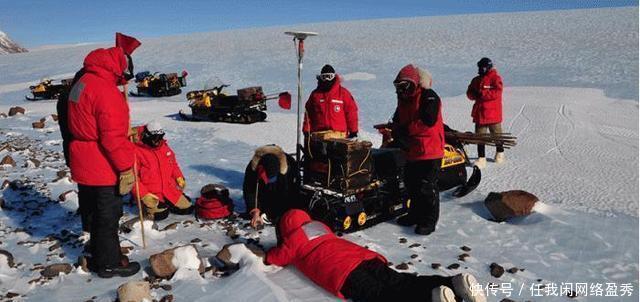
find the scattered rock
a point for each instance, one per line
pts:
(453, 266)
(496, 270)
(225, 256)
(414, 256)
(435, 265)
(8, 160)
(509, 204)
(63, 196)
(55, 246)
(3, 115)
(513, 270)
(11, 295)
(54, 117)
(196, 240)
(134, 291)
(83, 263)
(127, 226)
(166, 287)
(32, 163)
(37, 125)
(402, 266)
(167, 298)
(54, 270)
(15, 110)
(9, 256)
(61, 173)
(465, 248)
(463, 256)
(172, 226)
(162, 265)
(403, 240)
(414, 245)
(5, 184)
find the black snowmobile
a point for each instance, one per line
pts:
(214, 105)
(48, 90)
(159, 84)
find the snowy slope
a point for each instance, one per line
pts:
(8, 46)
(571, 99)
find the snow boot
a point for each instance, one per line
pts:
(500, 158)
(481, 163)
(442, 294)
(124, 269)
(423, 229)
(407, 220)
(466, 286)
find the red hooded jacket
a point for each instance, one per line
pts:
(318, 253)
(98, 118)
(486, 91)
(425, 142)
(334, 109)
(158, 170)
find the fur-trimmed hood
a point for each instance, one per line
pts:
(416, 75)
(273, 150)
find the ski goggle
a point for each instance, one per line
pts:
(326, 77)
(404, 87)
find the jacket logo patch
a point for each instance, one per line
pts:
(168, 153)
(314, 229)
(321, 101)
(74, 96)
(336, 108)
(337, 101)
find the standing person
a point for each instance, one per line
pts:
(486, 91)
(331, 107)
(418, 129)
(269, 187)
(101, 157)
(161, 180)
(350, 271)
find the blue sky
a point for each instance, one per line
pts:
(46, 22)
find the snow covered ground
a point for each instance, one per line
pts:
(571, 99)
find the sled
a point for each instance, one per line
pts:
(48, 90)
(246, 107)
(159, 84)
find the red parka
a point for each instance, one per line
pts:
(425, 142)
(158, 170)
(486, 91)
(98, 118)
(318, 253)
(334, 109)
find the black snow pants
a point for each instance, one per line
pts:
(372, 280)
(100, 211)
(421, 181)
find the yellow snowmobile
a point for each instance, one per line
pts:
(48, 90)
(159, 84)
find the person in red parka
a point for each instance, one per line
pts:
(417, 128)
(486, 92)
(331, 106)
(350, 271)
(161, 180)
(100, 155)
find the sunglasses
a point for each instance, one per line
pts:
(403, 87)
(326, 77)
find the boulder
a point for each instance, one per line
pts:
(510, 204)
(37, 125)
(162, 263)
(15, 110)
(54, 270)
(496, 270)
(134, 291)
(224, 255)
(32, 163)
(8, 160)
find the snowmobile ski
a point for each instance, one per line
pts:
(471, 184)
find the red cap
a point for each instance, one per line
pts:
(127, 43)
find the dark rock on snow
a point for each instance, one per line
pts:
(53, 270)
(496, 270)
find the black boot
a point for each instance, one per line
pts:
(423, 229)
(124, 269)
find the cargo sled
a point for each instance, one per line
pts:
(214, 105)
(47, 89)
(159, 84)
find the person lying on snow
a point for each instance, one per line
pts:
(331, 107)
(269, 185)
(161, 180)
(350, 271)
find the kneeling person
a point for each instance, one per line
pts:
(161, 180)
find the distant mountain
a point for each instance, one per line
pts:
(8, 46)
